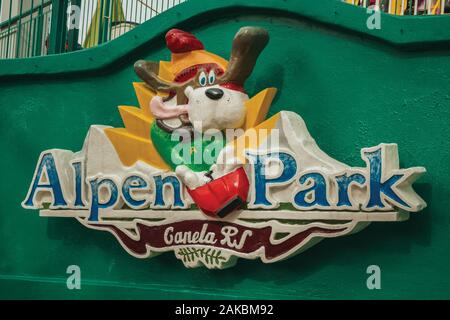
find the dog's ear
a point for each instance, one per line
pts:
(248, 43)
(148, 72)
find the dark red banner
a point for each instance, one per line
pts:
(217, 234)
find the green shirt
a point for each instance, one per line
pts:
(197, 153)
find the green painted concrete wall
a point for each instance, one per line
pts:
(354, 87)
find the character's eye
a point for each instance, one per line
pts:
(202, 79)
(212, 77)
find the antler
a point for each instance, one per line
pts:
(248, 43)
(148, 72)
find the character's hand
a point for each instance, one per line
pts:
(190, 178)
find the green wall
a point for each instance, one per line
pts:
(354, 87)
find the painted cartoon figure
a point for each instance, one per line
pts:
(202, 97)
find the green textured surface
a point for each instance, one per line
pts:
(352, 89)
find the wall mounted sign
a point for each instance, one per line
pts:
(199, 170)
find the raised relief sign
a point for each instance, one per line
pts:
(200, 170)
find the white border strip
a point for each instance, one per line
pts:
(244, 214)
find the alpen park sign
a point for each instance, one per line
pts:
(172, 181)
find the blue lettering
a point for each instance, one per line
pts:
(133, 182)
(377, 188)
(77, 166)
(96, 185)
(319, 189)
(54, 186)
(262, 182)
(159, 191)
(344, 181)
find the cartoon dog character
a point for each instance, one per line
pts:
(208, 98)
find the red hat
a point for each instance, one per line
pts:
(189, 55)
(179, 41)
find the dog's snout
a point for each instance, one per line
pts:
(214, 93)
